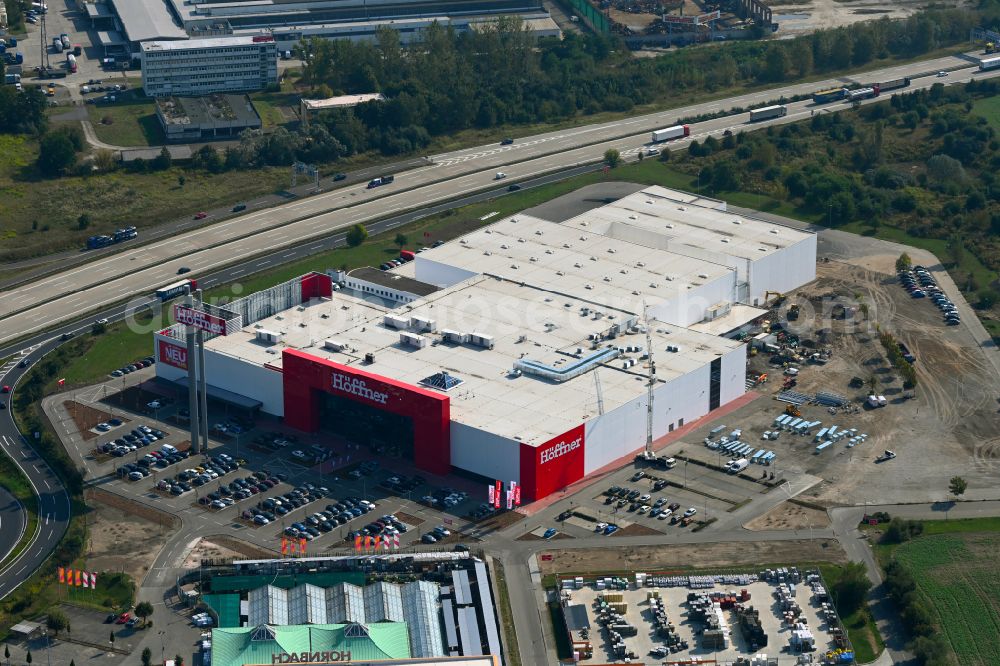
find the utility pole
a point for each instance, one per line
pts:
(651, 378)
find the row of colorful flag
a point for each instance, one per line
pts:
(495, 494)
(78, 578)
(290, 546)
(376, 542)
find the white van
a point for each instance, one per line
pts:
(500, 175)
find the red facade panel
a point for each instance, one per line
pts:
(553, 465)
(316, 285)
(305, 376)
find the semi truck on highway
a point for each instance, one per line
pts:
(831, 95)
(863, 93)
(892, 84)
(989, 63)
(176, 289)
(768, 112)
(381, 180)
(668, 133)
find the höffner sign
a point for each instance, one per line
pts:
(200, 320)
(357, 386)
(560, 449)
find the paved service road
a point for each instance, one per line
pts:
(142, 269)
(53, 501)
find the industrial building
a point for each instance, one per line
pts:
(209, 66)
(207, 118)
(520, 351)
(323, 606)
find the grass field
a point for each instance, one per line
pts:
(17, 484)
(132, 122)
(956, 573)
(988, 108)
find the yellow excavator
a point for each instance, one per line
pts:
(792, 410)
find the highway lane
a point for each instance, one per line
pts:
(53, 500)
(143, 268)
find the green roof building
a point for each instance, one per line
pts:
(315, 643)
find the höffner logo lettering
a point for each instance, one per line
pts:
(561, 449)
(357, 386)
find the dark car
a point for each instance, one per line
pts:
(238, 207)
(339, 176)
(513, 187)
(182, 270)
(507, 141)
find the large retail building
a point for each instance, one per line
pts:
(519, 351)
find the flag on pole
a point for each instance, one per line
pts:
(385, 543)
(62, 575)
(78, 577)
(69, 576)
(86, 580)
(284, 545)
(510, 500)
(490, 494)
(368, 543)
(93, 580)
(395, 539)
(517, 494)
(357, 543)
(302, 546)
(497, 494)
(378, 541)
(61, 381)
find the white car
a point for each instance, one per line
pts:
(154, 404)
(666, 513)
(644, 508)
(600, 527)
(444, 530)
(690, 512)
(102, 322)
(500, 175)
(103, 427)
(942, 73)
(298, 454)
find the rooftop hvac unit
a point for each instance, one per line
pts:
(423, 324)
(413, 340)
(394, 321)
(718, 310)
(454, 336)
(481, 340)
(264, 335)
(369, 358)
(334, 345)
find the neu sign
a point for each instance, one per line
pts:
(200, 320)
(174, 355)
(324, 657)
(357, 386)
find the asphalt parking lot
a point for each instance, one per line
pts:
(260, 482)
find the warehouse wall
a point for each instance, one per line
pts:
(734, 374)
(485, 453)
(238, 376)
(783, 271)
(436, 273)
(622, 431)
(690, 306)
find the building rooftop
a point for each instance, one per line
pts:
(680, 222)
(143, 20)
(393, 280)
(206, 110)
(525, 322)
(206, 43)
(238, 646)
(342, 101)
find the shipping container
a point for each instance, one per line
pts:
(768, 112)
(668, 133)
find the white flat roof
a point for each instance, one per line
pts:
(205, 43)
(524, 322)
(342, 100)
(679, 218)
(577, 261)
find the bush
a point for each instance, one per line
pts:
(900, 530)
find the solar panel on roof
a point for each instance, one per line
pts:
(442, 381)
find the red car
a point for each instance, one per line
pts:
(123, 618)
(200, 216)
(6, 389)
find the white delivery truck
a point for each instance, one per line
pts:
(668, 133)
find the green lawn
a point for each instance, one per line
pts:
(17, 484)
(131, 122)
(988, 108)
(861, 628)
(956, 574)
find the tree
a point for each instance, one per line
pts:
(83, 221)
(776, 64)
(400, 240)
(178, 660)
(957, 486)
(612, 157)
(56, 154)
(56, 621)
(147, 657)
(143, 609)
(163, 161)
(181, 180)
(850, 589)
(872, 385)
(356, 235)
(903, 263)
